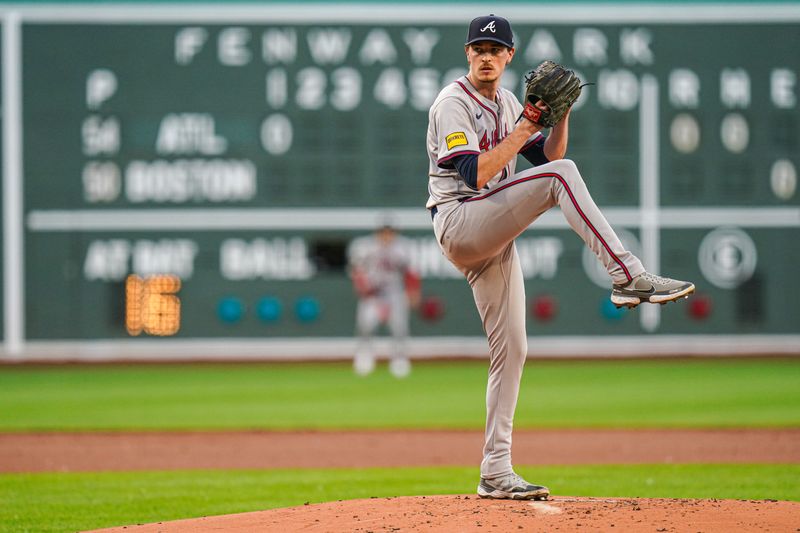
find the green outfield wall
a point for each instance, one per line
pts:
(241, 147)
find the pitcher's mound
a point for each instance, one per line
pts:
(470, 513)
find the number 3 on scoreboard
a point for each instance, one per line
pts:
(151, 305)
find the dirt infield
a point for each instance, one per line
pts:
(69, 452)
(60, 452)
(472, 514)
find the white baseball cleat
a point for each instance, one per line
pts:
(511, 487)
(363, 364)
(400, 367)
(650, 288)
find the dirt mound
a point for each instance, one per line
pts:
(470, 513)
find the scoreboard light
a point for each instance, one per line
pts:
(307, 309)
(544, 307)
(230, 309)
(610, 311)
(269, 309)
(151, 305)
(432, 308)
(700, 307)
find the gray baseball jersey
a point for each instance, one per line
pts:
(476, 231)
(462, 121)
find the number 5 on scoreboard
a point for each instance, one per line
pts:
(151, 305)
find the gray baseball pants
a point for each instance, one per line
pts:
(477, 236)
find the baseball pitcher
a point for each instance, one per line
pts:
(479, 205)
(387, 288)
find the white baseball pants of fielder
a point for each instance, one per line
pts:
(371, 312)
(477, 236)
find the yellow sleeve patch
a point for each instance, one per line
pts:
(456, 139)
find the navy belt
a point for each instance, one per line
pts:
(434, 210)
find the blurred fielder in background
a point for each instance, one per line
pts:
(387, 289)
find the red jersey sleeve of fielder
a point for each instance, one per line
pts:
(412, 281)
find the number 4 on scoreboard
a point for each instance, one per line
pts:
(151, 305)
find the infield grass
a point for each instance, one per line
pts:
(79, 501)
(443, 394)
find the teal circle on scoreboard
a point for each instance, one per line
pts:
(307, 309)
(269, 309)
(610, 311)
(230, 310)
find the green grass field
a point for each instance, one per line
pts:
(70, 502)
(663, 393)
(571, 394)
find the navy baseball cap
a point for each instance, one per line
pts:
(490, 28)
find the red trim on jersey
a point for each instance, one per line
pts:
(574, 202)
(455, 154)
(531, 143)
(496, 121)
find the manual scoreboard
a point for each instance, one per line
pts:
(234, 153)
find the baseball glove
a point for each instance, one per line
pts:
(556, 87)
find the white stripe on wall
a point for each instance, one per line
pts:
(339, 348)
(13, 251)
(649, 180)
(356, 218)
(421, 14)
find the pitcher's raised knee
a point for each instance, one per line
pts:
(568, 172)
(565, 167)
